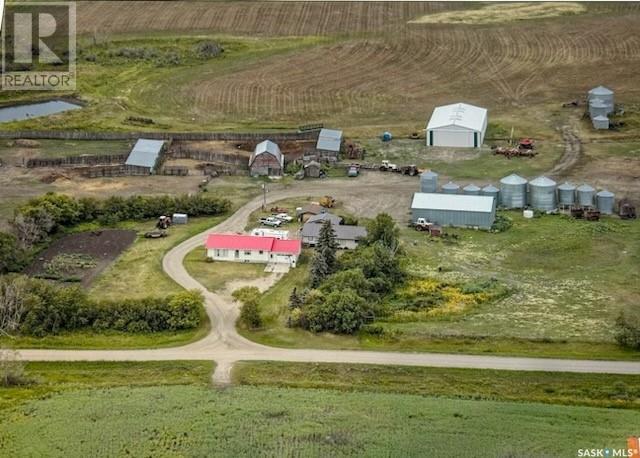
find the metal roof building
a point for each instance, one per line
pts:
(454, 209)
(329, 140)
(145, 154)
(457, 125)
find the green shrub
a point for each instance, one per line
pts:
(501, 224)
(628, 328)
(342, 312)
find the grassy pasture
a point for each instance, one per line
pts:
(197, 421)
(595, 390)
(215, 275)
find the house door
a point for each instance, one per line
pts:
(236, 255)
(430, 138)
(475, 139)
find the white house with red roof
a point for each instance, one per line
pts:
(251, 248)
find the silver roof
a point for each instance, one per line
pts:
(267, 147)
(513, 179)
(429, 174)
(343, 232)
(145, 153)
(543, 181)
(600, 90)
(322, 217)
(329, 140)
(490, 188)
(600, 118)
(453, 202)
(471, 187)
(605, 193)
(567, 186)
(585, 188)
(450, 185)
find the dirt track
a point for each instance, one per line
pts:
(226, 346)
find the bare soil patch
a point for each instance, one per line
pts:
(95, 249)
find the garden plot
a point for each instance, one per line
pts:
(82, 256)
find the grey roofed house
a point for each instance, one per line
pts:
(145, 153)
(454, 209)
(322, 217)
(347, 237)
(267, 147)
(329, 140)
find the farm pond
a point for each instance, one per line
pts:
(34, 110)
(82, 256)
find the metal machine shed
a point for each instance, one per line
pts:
(145, 154)
(329, 140)
(454, 209)
(457, 125)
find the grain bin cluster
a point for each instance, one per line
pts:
(601, 105)
(515, 192)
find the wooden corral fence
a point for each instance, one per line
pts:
(119, 170)
(73, 161)
(237, 160)
(175, 170)
(195, 136)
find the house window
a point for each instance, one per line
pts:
(247, 253)
(261, 252)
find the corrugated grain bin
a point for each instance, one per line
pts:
(597, 108)
(513, 191)
(603, 95)
(566, 194)
(584, 195)
(600, 122)
(179, 218)
(471, 190)
(604, 200)
(429, 181)
(490, 190)
(542, 194)
(450, 188)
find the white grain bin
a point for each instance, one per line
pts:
(528, 214)
(450, 188)
(513, 191)
(604, 95)
(600, 122)
(542, 194)
(471, 190)
(429, 181)
(490, 190)
(179, 218)
(584, 195)
(604, 201)
(566, 194)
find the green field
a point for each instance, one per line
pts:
(63, 148)
(44, 379)
(595, 390)
(246, 421)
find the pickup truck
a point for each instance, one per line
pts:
(283, 217)
(270, 221)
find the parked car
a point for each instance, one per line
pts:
(270, 221)
(283, 217)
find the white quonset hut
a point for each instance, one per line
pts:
(454, 209)
(459, 126)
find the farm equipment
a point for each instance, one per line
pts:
(353, 170)
(627, 210)
(156, 234)
(327, 202)
(388, 166)
(163, 222)
(526, 143)
(514, 152)
(422, 225)
(278, 210)
(410, 170)
(586, 213)
(354, 151)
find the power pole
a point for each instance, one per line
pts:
(264, 197)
